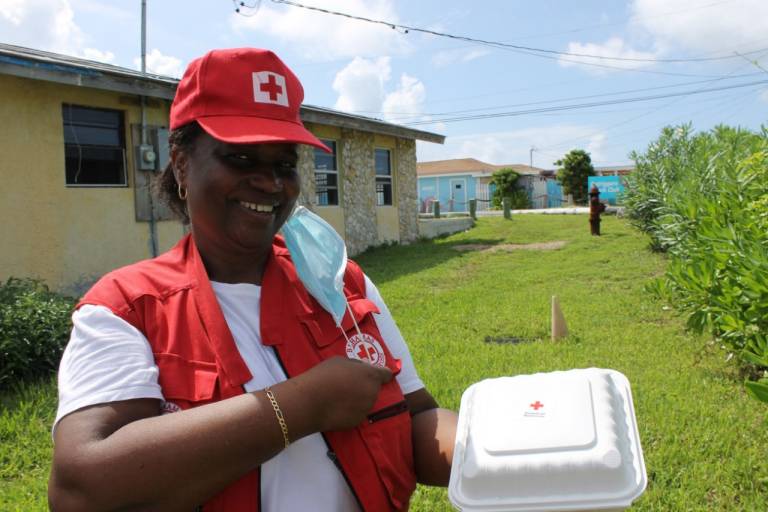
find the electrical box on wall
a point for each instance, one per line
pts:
(146, 157)
(149, 161)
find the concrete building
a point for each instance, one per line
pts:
(455, 182)
(76, 172)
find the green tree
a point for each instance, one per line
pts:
(572, 173)
(505, 181)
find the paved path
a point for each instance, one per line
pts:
(571, 210)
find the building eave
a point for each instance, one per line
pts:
(39, 65)
(320, 115)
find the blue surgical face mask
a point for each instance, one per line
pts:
(320, 257)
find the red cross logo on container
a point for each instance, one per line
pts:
(365, 348)
(269, 87)
(533, 410)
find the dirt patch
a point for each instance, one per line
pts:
(541, 246)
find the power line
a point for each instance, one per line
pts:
(404, 116)
(728, 76)
(497, 44)
(585, 105)
(624, 22)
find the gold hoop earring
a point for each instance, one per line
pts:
(182, 196)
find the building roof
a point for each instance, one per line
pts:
(54, 67)
(469, 166)
(609, 168)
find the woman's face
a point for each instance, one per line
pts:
(238, 194)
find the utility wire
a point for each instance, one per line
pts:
(498, 44)
(624, 22)
(585, 105)
(404, 116)
(728, 76)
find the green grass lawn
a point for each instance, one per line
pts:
(704, 439)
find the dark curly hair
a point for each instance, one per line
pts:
(165, 186)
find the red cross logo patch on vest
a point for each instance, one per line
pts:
(269, 87)
(365, 348)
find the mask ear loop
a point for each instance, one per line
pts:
(354, 321)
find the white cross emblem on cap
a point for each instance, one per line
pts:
(269, 87)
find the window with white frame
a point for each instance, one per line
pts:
(383, 166)
(94, 147)
(326, 175)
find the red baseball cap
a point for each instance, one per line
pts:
(242, 96)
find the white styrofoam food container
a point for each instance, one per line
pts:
(555, 441)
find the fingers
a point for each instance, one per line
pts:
(385, 374)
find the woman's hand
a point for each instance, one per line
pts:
(343, 391)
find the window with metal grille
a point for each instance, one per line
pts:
(326, 175)
(383, 165)
(94, 147)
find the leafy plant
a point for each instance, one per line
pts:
(34, 328)
(505, 181)
(519, 200)
(572, 173)
(702, 198)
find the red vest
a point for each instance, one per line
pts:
(170, 300)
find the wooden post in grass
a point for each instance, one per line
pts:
(507, 204)
(473, 209)
(559, 327)
(436, 208)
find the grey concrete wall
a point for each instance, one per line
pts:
(431, 228)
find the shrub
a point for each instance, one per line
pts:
(703, 198)
(572, 173)
(34, 328)
(506, 185)
(519, 200)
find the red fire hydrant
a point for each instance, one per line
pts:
(595, 209)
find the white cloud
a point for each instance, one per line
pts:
(448, 57)
(12, 11)
(98, 55)
(595, 146)
(42, 24)
(160, 64)
(764, 95)
(406, 100)
(360, 85)
(512, 147)
(682, 28)
(703, 27)
(615, 47)
(126, 13)
(326, 37)
(47, 25)
(362, 88)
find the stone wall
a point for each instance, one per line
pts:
(306, 169)
(407, 190)
(358, 189)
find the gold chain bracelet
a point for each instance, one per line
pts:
(279, 414)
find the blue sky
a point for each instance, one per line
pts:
(414, 77)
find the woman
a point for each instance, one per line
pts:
(208, 377)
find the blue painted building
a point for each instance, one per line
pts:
(455, 182)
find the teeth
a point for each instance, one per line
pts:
(263, 208)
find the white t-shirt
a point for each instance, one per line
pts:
(108, 360)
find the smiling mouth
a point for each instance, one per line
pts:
(260, 208)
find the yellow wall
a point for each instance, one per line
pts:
(333, 215)
(66, 236)
(387, 217)
(388, 223)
